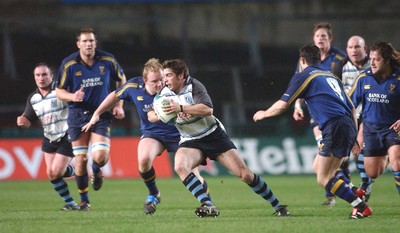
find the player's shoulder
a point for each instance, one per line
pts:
(338, 53)
(70, 60)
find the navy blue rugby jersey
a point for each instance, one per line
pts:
(95, 79)
(323, 93)
(334, 57)
(133, 91)
(380, 99)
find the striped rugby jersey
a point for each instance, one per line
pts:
(51, 111)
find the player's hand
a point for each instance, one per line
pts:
(23, 122)
(78, 95)
(118, 112)
(396, 126)
(259, 115)
(356, 150)
(298, 115)
(93, 121)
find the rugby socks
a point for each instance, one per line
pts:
(261, 188)
(193, 184)
(95, 167)
(340, 189)
(344, 167)
(70, 171)
(365, 180)
(205, 186)
(83, 187)
(397, 179)
(149, 179)
(61, 188)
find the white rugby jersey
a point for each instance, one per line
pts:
(51, 111)
(350, 73)
(194, 127)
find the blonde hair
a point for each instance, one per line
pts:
(152, 65)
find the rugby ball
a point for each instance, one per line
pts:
(160, 101)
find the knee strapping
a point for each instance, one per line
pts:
(80, 150)
(101, 146)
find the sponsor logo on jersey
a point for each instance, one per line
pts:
(78, 73)
(367, 86)
(140, 98)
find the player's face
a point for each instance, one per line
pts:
(356, 51)
(154, 82)
(378, 64)
(321, 39)
(172, 81)
(43, 77)
(87, 44)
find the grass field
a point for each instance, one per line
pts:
(32, 206)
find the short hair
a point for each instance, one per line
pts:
(311, 54)
(44, 64)
(325, 25)
(85, 30)
(387, 51)
(152, 65)
(178, 66)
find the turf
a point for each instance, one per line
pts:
(32, 206)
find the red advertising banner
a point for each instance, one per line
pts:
(22, 159)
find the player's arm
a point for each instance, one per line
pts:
(65, 95)
(277, 108)
(106, 105)
(118, 110)
(152, 116)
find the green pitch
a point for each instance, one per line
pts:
(32, 206)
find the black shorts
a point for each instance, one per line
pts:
(211, 145)
(62, 146)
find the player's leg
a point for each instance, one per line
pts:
(80, 150)
(202, 180)
(394, 158)
(185, 160)
(234, 163)
(148, 150)
(100, 150)
(60, 168)
(326, 167)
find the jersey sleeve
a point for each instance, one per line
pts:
(29, 112)
(200, 94)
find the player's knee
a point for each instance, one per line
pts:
(54, 174)
(247, 176)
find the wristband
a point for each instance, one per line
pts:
(181, 108)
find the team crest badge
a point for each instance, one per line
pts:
(391, 90)
(54, 103)
(101, 69)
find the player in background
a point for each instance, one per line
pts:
(155, 137)
(348, 69)
(330, 55)
(378, 90)
(42, 104)
(203, 135)
(84, 81)
(335, 115)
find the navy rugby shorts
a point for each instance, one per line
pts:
(338, 137)
(170, 142)
(79, 117)
(378, 139)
